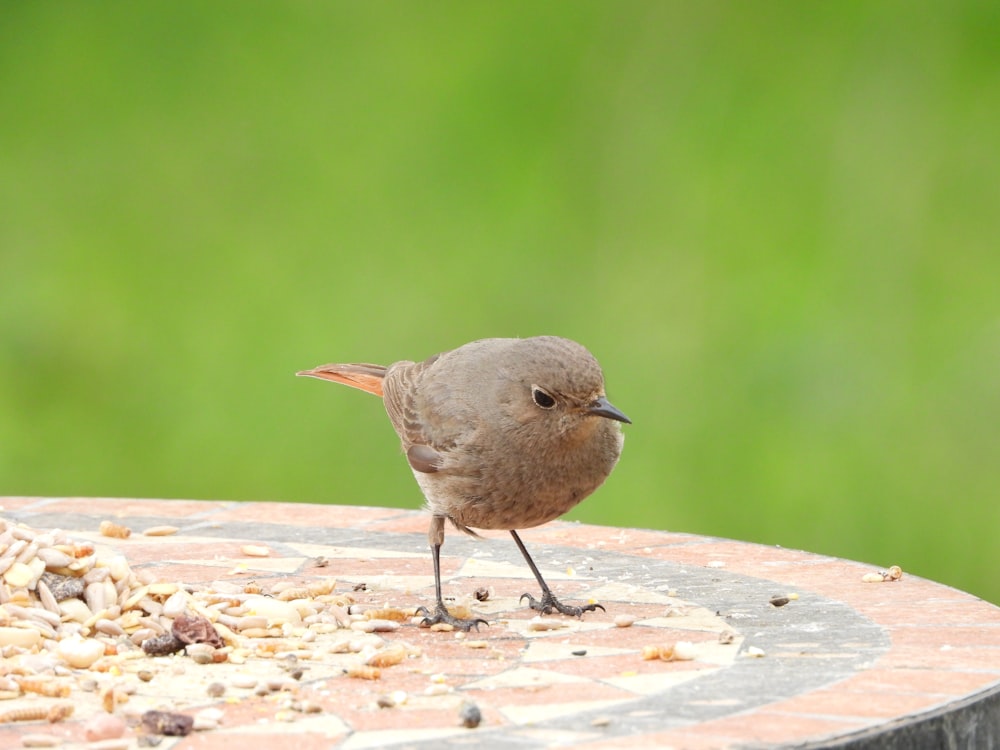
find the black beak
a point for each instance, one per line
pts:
(603, 408)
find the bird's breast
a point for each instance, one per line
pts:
(503, 485)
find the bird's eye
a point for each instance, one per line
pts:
(542, 398)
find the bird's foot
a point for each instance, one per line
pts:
(549, 604)
(442, 615)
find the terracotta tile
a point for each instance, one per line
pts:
(856, 705)
(680, 739)
(951, 659)
(119, 508)
(770, 727)
(542, 694)
(638, 636)
(775, 563)
(925, 681)
(605, 538)
(984, 635)
(22, 503)
(12, 734)
(139, 550)
(305, 514)
(404, 717)
(500, 645)
(405, 524)
(914, 609)
(600, 667)
(227, 740)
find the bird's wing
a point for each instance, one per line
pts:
(404, 394)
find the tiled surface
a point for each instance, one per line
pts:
(844, 658)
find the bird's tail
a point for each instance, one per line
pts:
(364, 377)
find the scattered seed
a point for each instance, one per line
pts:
(79, 652)
(19, 575)
(778, 601)
(176, 604)
(292, 593)
(104, 727)
(469, 715)
(679, 651)
(200, 653)
(162, 645)
(685, 651)
(663, 653)
(244, 681)
(111, 697)
(160, 531)
(43, 686)
(207, 719)
(389, 613)
(255, 550)
(114, 530)
(53, 714)
(375, 626)
(163, 589)
(168, 723)
(215, 690)
(196, 629)
(540, 624)
(40, 740)
(364, 672)
(203, 724)
(389, 656)
(307, 707)
(20, 637)
(624, 621)
(53, 558)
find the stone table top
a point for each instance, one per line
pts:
(842, 662)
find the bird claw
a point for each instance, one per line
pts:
(549, 604)
(442, 615)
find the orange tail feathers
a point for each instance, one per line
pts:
(364, 377)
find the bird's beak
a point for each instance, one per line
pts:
(603, 408)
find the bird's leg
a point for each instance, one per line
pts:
(441, 613)
(548, 603)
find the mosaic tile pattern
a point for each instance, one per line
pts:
(842, 659)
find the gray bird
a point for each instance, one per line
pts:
(500, 434)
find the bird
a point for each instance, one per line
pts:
(501, 434)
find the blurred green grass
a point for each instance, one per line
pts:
(774, 223)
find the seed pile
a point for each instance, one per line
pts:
(76, 622)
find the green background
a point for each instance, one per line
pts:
(775, 224)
